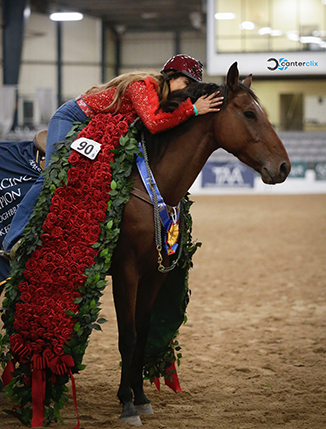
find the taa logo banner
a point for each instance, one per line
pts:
(227, 174)
(283, 64)
(298, 170)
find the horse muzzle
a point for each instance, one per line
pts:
(271, 175)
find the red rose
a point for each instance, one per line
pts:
(122, 127)
(23, 286)
(47, 226)
(48, 354)
(87, 261)
(31, 264)
(15, 340)
(84, 164)
(74, 157)
(78, 279)
(56, 232)
(26, 296)
(62, 281)
(41, 292)
(73, 175)
(49, 267)
(58, 200)
(58, 350)
(30, 275)
(37, 346)
(37, 333)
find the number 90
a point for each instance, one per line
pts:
(85, 147)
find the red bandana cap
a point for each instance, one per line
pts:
(186, 65)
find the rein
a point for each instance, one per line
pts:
(157, 219)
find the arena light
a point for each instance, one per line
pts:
(247, 25)
(226, 15)
(276, 33)
(264, 30)
(66, 16)
(292, 35)
(310, 39)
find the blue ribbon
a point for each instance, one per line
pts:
(167, 222)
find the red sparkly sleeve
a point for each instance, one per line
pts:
(145, 101)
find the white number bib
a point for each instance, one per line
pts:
(86, 147)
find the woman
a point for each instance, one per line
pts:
(139, 92)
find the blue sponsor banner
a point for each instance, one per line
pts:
(320, 169)
(18, 171)
(227, 174)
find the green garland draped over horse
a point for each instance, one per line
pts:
(85, 298)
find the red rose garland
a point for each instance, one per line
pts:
(55, 270)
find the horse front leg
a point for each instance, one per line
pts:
(125, 295)
(148, 288)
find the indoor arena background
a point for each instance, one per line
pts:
(254, 346)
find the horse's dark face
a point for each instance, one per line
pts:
(243, 129)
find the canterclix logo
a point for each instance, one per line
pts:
(283, 64)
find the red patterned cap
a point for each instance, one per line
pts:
(186, 65)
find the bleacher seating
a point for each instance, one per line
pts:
(309, 147)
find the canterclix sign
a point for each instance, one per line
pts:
(283, 64)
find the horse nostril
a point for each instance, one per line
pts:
(284, 168)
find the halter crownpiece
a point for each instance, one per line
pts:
(186, 65)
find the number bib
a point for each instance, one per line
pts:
(87, 147)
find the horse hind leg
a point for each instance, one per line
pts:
(129, 414)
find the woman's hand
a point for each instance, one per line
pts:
(208, 103)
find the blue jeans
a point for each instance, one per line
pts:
(59, 126)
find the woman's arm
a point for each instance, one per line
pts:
(145, 101)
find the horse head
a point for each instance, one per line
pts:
(242, 128)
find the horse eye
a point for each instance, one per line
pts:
(249, 114)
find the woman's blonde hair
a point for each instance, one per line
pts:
(122, 81)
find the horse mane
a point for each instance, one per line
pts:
(155, 143)
(197, 89)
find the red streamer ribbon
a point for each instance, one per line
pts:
(6, 375)
(74, 396)
(174, 384)
(39, 362)
(59, 365)
(157, 383)
(38, 397)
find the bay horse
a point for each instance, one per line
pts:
(176, 158)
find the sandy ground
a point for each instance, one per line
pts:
(254, 347)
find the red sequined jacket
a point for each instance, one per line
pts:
(140, 97)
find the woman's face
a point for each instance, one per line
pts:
(179, 83)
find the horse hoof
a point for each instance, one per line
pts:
(144, 409)
(132, 420)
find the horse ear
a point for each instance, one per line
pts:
(233, 77)
(247, 81)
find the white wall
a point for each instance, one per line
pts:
(82, 56)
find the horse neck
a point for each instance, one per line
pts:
(183, 159)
